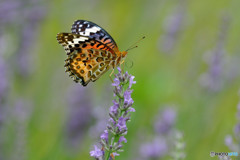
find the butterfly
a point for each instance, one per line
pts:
(91, 51)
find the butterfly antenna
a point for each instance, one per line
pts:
(131, 48)
(134, 45)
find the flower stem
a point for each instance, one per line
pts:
(108, 155)
(112, 138)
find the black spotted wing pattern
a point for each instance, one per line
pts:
(93, 31)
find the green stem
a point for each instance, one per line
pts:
(109, 153)
(115, 137)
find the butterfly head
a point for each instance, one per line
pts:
(124, 53)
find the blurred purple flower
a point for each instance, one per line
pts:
(80, 108)
(113, 136)
(179, 146)
(237, 130)
(166, 140)
(4, 82)
(172, 28)
(9, 10)
(20, 115)
(99, 115)
(213, 78)
(4, 87)
(34, 16)
(23, 17)
(165, 121)
(155, 149)
(229, 141)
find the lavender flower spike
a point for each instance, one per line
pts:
(113, 137)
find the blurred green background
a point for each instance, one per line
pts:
(188, 59)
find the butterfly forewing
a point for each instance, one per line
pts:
(71, 42)
(93, 31)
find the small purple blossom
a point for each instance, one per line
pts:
(128, 101)
(116, 82)
(96, 153)
(113, 137)
(131, 81)
(122, 139)
(122, 125)
(114, 108)
(104, 135)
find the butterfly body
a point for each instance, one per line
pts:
(91, 51)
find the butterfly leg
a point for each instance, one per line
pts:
(110, 76)
(122, 63)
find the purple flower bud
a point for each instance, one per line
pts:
(122, 139)
(111, 120)
(114, 110)
(104, 136)
(117, 91)
(131, 109)
(116, 82)
(96, 153)
(131, 81)
(122, 124)
(119, 70)
(127, 95)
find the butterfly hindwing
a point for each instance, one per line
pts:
(93, 31)
(87, 65)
